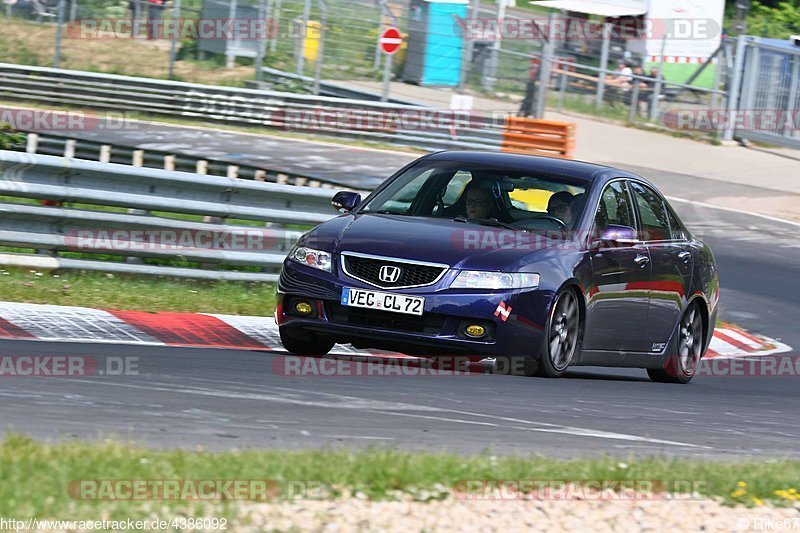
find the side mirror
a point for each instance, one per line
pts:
(344, 201)
(616, 237)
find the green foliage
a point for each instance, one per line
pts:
(778, 22)
(9, 137)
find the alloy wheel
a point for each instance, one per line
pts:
(563, 335)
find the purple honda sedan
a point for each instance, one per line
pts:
(538, 263)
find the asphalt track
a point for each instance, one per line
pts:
(230, 398)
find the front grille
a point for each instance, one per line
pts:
(429, 323)
(411, 274)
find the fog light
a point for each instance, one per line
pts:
(475, 330)
(303, 308)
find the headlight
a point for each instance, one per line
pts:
(475, 279)
(313, 258)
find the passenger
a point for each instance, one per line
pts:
(559, 207)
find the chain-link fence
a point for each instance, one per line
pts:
(767, 92)
(337, 40)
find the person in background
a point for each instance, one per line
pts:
(154, 10)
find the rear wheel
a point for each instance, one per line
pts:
(562, 336)
(686, 350)
(300, 342)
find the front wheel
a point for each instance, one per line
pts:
(300, 342)
(685, 352)
(562, 336)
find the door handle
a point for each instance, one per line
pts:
(685, 256)
(641, 260)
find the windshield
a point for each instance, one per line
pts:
(452, 190)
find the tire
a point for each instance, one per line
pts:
(563, 336)
(300, 342)
(685, 350)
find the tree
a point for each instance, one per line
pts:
(779, 21)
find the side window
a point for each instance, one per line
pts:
(614, 207)
(405, 196)
(676, 230)
(653, 215)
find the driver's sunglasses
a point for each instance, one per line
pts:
(560, 208)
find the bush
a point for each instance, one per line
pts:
(9, 137)
(778, 22)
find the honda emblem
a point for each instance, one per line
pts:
(389, 274)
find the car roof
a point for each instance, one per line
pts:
(548, 165)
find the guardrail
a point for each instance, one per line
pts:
(420, 127)
(66, 146)
(274, 76)
(182, 229)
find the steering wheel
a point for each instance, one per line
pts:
(560, 223)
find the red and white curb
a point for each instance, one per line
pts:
(55, 323)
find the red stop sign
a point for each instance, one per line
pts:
(390, 40)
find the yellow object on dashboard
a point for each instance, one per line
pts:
(534, 199)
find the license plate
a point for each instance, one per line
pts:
(383, 301)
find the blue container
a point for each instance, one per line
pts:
(435, 42)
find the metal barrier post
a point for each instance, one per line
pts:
(735, 87)
(59, 32)
(173, 46)
(323, 8)
(69, 148)
(277, 25)
(634, 110)
(562, 89)
(261, 42)
(601, 76)
(31, 143)
(301, 51)
(229, 57)
(544, 79)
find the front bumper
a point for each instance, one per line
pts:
(440, 329)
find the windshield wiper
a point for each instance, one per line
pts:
(486, 222)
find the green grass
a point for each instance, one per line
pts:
(36, 476)
(151, 293)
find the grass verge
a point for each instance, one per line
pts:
(151, 293)
(37, 476)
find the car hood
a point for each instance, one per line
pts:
(460, 245)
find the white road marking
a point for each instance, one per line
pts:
(731, 210)
(387, 408)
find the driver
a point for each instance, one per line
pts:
(478, 202)
(559, 206)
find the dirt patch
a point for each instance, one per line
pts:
(31, 43)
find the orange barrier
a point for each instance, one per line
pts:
(539, 137)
